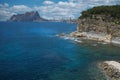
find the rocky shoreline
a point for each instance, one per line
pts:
(79, 36)
(94, 36)
(96, 24)
(111, 69)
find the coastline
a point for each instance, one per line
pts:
(79, 36)
(110, 69)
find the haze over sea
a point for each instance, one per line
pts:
(31, 51)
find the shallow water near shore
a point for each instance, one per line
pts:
(31, 51)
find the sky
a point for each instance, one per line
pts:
(50, 9)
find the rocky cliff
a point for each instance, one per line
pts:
(28, 16)
(101, 20)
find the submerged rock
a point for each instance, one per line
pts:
(62, 34)
(112, 69)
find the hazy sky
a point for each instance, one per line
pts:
(50, 8)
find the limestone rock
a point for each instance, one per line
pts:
(99, 25)
(112, 69)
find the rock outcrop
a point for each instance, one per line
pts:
(98, 25)
(95, 23)
(27, 17)
(111, 69)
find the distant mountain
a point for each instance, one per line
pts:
(27, 17)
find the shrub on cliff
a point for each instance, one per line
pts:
(112, 11)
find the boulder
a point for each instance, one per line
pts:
(111, 69)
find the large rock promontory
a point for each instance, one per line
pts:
(27, 17)
(100, 23)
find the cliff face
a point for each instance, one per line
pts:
(98, 23)
(28, 16)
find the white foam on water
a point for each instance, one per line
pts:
(71, 38)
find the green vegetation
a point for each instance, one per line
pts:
(111, 11)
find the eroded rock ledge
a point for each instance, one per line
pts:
(111, 69)
(93, 36)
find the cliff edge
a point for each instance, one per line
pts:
(100, 23)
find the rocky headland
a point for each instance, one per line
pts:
(100, 23)
(111, 69)
(27, 17)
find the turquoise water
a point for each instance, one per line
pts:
(31, 51)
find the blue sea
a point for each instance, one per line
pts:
(32, 51)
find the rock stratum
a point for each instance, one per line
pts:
(111, 69)
(27, 17)
(100, 23)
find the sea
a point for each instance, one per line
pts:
(32, 51)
